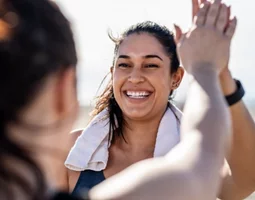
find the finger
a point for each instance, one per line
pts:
(201, 15)
(213, 13)
(180, 36)
(195, 8)
(183, 36)
(229, 14)
(231, 28)
(228, 18)
(222, 20)
(229, 11)
(178, 33)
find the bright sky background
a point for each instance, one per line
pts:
(92, 19)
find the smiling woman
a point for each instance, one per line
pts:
(140, 61)
(145, 73)
(133, 119)
(143, 53)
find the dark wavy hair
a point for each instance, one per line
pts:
(35, 41)
(106, 99)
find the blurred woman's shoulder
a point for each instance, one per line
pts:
(73, 176)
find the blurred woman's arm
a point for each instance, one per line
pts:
(238, 173)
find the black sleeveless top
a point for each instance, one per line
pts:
(66, 196)
(87, 180)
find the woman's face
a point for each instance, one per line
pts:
(142, 79)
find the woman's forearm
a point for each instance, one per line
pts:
(242, 155)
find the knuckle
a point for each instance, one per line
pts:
(200, 20)
(213, 13)
(231, 28)
(201, 13)
(221, 20)
(214, 9)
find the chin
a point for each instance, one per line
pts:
(136, 114)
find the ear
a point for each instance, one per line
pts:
(66, 93)
(177, 78)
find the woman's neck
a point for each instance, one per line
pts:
(141, 134)
(48, 158)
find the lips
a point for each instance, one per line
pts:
(137, 94)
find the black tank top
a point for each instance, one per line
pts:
(87, 180)
(66, 196)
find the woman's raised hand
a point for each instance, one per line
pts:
(207, 43)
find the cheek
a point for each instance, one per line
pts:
(162, 84)
(163, 93)
(115, 80)
(164, 89)
(118, 80)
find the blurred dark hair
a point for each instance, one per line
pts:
(35, 41)
(106, 99)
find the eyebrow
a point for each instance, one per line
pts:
(124, 56)
(147, 56)
(153, 56)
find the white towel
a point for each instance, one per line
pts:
(91, 148)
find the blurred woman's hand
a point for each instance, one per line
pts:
(207, 43)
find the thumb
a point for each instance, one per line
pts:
(178, 33)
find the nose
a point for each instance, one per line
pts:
(136, 76)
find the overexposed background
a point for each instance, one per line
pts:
(92, 19)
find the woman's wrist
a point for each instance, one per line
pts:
(228, 84)
(207, 77)
(231, 88)
(203, 69)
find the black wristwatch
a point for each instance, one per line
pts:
(237, 95)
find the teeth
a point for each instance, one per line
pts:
(141, 94)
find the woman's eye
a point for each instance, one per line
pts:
(151, 66)
(123, 65)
